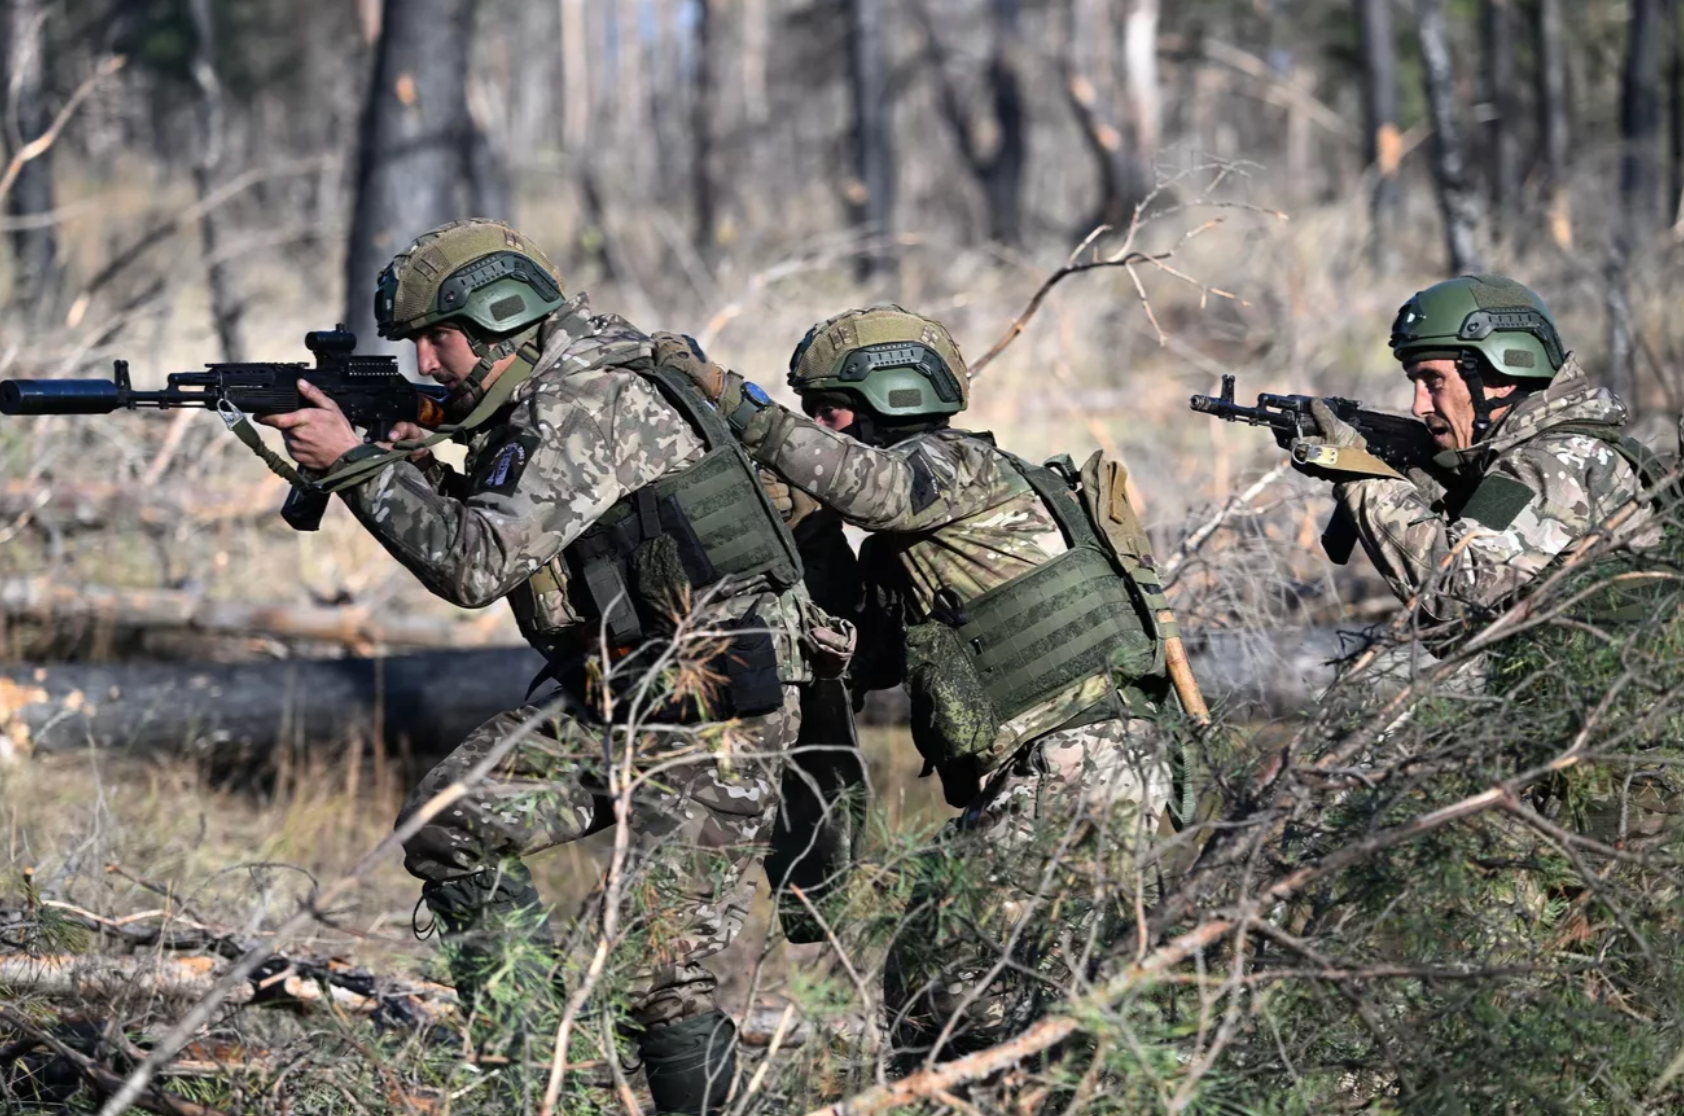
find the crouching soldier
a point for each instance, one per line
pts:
(1023, 615)
(604, 499)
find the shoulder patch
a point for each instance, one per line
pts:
(923, 481)
(504, 465)
(1497, 501)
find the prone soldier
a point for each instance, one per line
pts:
(601, 496)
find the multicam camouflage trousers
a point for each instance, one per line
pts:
(697, 826)
(1012, 887)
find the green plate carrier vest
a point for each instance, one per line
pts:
(1021, 643)
(685, 531)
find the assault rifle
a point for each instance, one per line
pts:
(1403, 443)
(370, 390)
(1399, 442)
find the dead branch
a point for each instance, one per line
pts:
(1201, 534)
(39, 146)
(85, 506)
(171, 1044)
(1054, 1029)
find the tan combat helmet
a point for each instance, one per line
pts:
(478, 274)
(895, 364)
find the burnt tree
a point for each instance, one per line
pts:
(1381, 146)
(1456, 197)
(704, 200)
(226, 307)
(409, 169)
(1090, 90)
(1497, 26)
(1640, 119)
(1674, 31)
(1552, 117)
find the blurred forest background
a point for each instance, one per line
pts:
(200, 180)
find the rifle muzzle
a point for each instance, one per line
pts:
(59, 397)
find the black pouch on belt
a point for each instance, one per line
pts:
(752, 686)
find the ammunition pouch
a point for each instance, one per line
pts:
(750, 667)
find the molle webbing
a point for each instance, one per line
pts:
(728, 509)
(718, 519)
(1139, 575)
(1067, 620)
(1049, 629)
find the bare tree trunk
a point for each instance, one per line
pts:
(1140, 83)
(870, 193)
(757, 34)
(662, 66)
(1640, 120)
(1382, 148)
(1498, 26)
(409, 166)
(1088, 87)
(1003, 181)
(490, 193)
(1674, 29)
(631, 71)
(1456, 198)
(34, 249)
(702, 97)
(998, 172)
(224, 286)
(575, 77)
(1553, 122)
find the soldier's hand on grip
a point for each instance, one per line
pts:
(317, 435)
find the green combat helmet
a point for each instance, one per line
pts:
(1487, 324)
(895, 366)
(477, 274)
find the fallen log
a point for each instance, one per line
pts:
(426, 702)
(48, 601)
(431, 700)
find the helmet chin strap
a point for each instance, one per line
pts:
(472, 388)
(1467, 363)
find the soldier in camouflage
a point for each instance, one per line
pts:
(1031, 658)
(1531, 452)
(602, 497)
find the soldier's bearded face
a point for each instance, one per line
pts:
(1444, 404)
(443, 355)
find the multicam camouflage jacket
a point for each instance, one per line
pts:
(582, 432)
(1525, 494)
(956, 515)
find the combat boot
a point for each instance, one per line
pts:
(691, 1064)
